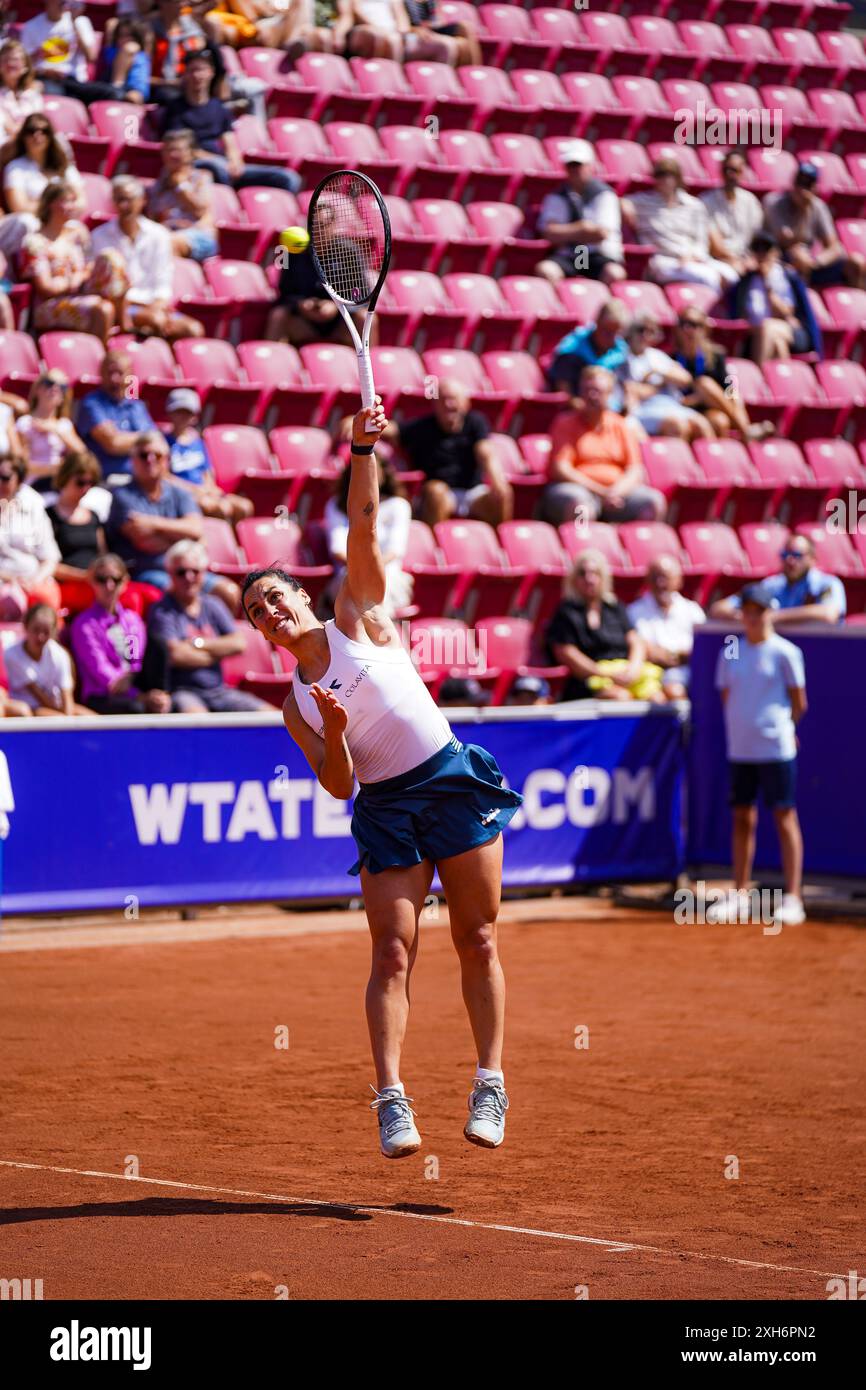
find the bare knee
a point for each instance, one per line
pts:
(477, 944)
(390, 959)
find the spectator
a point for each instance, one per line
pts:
(198, 631)
(676, 224)
(28, 550)
(735, 215)
(581, 220)
(39, 670)
(714, 393)
(10, 440)
(799, 219)
(595, 462)
(191, 467)
(181, 198)
(175, 35)
(110, 418)
(150, 513)
(600, 344)
(143, 249)
(61, 44)
(119, 672)
(77, 529)
(12, 709)
(463, 48)
(666, 621)
(262, 23)
(529, 690)
(392, 533)
(803, 593)
(763, 689)
(592, 634)
(382, 29)
(325, 25)
(465, 691)
(123, 71)
(216, 147)
(58, 261)
(304, 312)
(20, 93)
(46, 430)
(653, 385)
(38, 158)
(776, 303)
(452, 448)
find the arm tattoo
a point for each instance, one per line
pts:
(368, 510)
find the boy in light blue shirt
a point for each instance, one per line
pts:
(763, 688)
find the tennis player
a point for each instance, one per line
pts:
(358, 707)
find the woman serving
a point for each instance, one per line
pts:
(426, 801)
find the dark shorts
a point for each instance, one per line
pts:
(450, 803)
(596, 263)
(777, 783)
(832, 274)
(801, 341)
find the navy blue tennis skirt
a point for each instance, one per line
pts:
(452, 802)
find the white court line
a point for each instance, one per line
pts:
(612, 1246)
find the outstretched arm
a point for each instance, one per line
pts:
(365, 570)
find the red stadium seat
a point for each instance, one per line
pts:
(254, 670)
(432, 579)
(426, 172)
(224, 555)
(808, 412)
(488, 584)
(530, 407)
(212, 366)
(715, 548)
(500, 225)
(649, 113)
(458, 364)
(544, 92)
(799, 496)
(78, 355)
(358, 144)
(237, 452)
(759, 55)
(154, 368)
(285, 397)
(482, 171)
(762, 542)
(120, 124)
(644, 541)
(834, 463)
(338, 95)
(442, 94)
(672, 468)
(267, 209)
(844, 383)
(712, 53)
(306, 454)
(19, 360)
(527, 486)
(508, 645)
(269, 540)
(742, 495)
(532, 174)
(626, 164)
(71, 118)
(535, 547)
(597, 103)
(423, 313)
(616, 49)
(248, 295)
(491, 319)
(808, 63)
(384, 82)
(498, 106)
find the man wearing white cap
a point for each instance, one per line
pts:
(581, 220)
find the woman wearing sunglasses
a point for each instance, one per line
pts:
(119, 672)
(37, 159)
(46, 430)
(712, 394)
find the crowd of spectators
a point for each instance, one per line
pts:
(102, 507)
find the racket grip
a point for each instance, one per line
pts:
(365, 374)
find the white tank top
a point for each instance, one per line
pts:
(394, 723)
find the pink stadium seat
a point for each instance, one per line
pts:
(518, 374)
(808, 411)
(712, 53)
(78, 355)
(491, 321)
(643, 101)
(798, 496)
(844, 383)
(659, 37)
(304, 455)
(456, 244)
(735, 96)
(399, 376)
(597, 104)
(509, 646)
(432, 580)
(488, 584)
(545, 318)
(535, 547)
(424, 314)
(837, 112)
(693, 171)
(154, 368)
(285, 397)
(384, 82)
(19, 360)
(672, 468)
(625, 163)
(749, 381)
(808, 63)
(482, 171)
(762, 541)
(302, 144)
(458, 364)
(254, 670)
(716, 548)
(686, 94)
(531, 173)
(250, 297)
(71, 118)
(760, 57)
(497, 105)
(834, 463)
(527, 487)
(836, 179)
(442, 94)
(742, 495)
(242, 463)
(501, 224)
(333, 369)
(847, 309)
(267, 209)
(856, 166)
(581, 298)
(852, 234)
(194, 296)
(517, 40)
(358, 144)
(803, 126)
(268, 540)
(560, 29)
(600, 535)
(544, 91)
(426, 172)
(643, 297)
(339, 96)
(212, 366)
(772, 170)
(224, 555)
(615, 47)
(442, 647)
(644, 541)
(844, 50)
(535, 449)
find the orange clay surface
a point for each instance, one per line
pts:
(151, 1045)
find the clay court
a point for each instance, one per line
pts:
(259, 1170)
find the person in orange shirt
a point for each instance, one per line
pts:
(595, 468)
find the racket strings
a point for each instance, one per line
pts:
(348, 237)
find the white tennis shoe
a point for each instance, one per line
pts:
(397, 1133)
(792, 912)
(487, 1106)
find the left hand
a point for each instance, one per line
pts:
(369, 423)
(335, 717)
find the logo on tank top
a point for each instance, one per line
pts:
(336, 685)
(362, 675)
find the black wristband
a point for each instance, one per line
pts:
(363, 448)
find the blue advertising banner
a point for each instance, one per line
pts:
(831, 774)
(110, 813)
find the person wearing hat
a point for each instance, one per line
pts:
(760, 677)
(456, 691)
(581, 220)
(802, 592)
(677, 225)
(190, 462)
(799, 220)
(529, 690)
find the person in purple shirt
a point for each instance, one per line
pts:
(118, 671)
(110, 418)
(197, 631)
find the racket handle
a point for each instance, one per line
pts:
(365, 373)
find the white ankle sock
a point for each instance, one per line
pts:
(395, 1086)
(484, 1074)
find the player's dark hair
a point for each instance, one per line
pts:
(255, 575)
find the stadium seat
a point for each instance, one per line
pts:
(526, 485)
(808, 63)
(424, 312)
(742, 495)
(644, 541)
(535, 547)
(224, 555)
(798, 495)
(772, 170)
(843, 124)
(285, 397)
(399, 376)
(441, 93)
(442, 647)
(454, 243)
(153, 367)
(391, 97)
(509, 646)
(530, 405)
(500, 225)
(488, 584)
(844, 383)
(355, 143)
(554, 112)
(659, 38)
(492, 318)
(597, 105)
(254, 669)
(268, 540)
(643, 297)
(626, 164)
(305, 454)
(615, 48)
(545, 317)
(762, 541)
(560, 29)
(672, 468)
(517, 41)
(716, 549)
(483, 174)
(498, 106)
(426, 173)
(808, 412)
(714, 59)
(835, 553)
(759, 56)
(844, 51)
(649, 113)
(582, 299)
(19, 360)
(211, 365)
(531, 173)
(834, 463)
(338, 96)
(120, 125)
(302, 143)
(248, 295)
(242, 463)
(432, 579)
(78, 355)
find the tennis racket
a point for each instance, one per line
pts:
(350, 240)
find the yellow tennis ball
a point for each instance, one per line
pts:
(295, 239)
